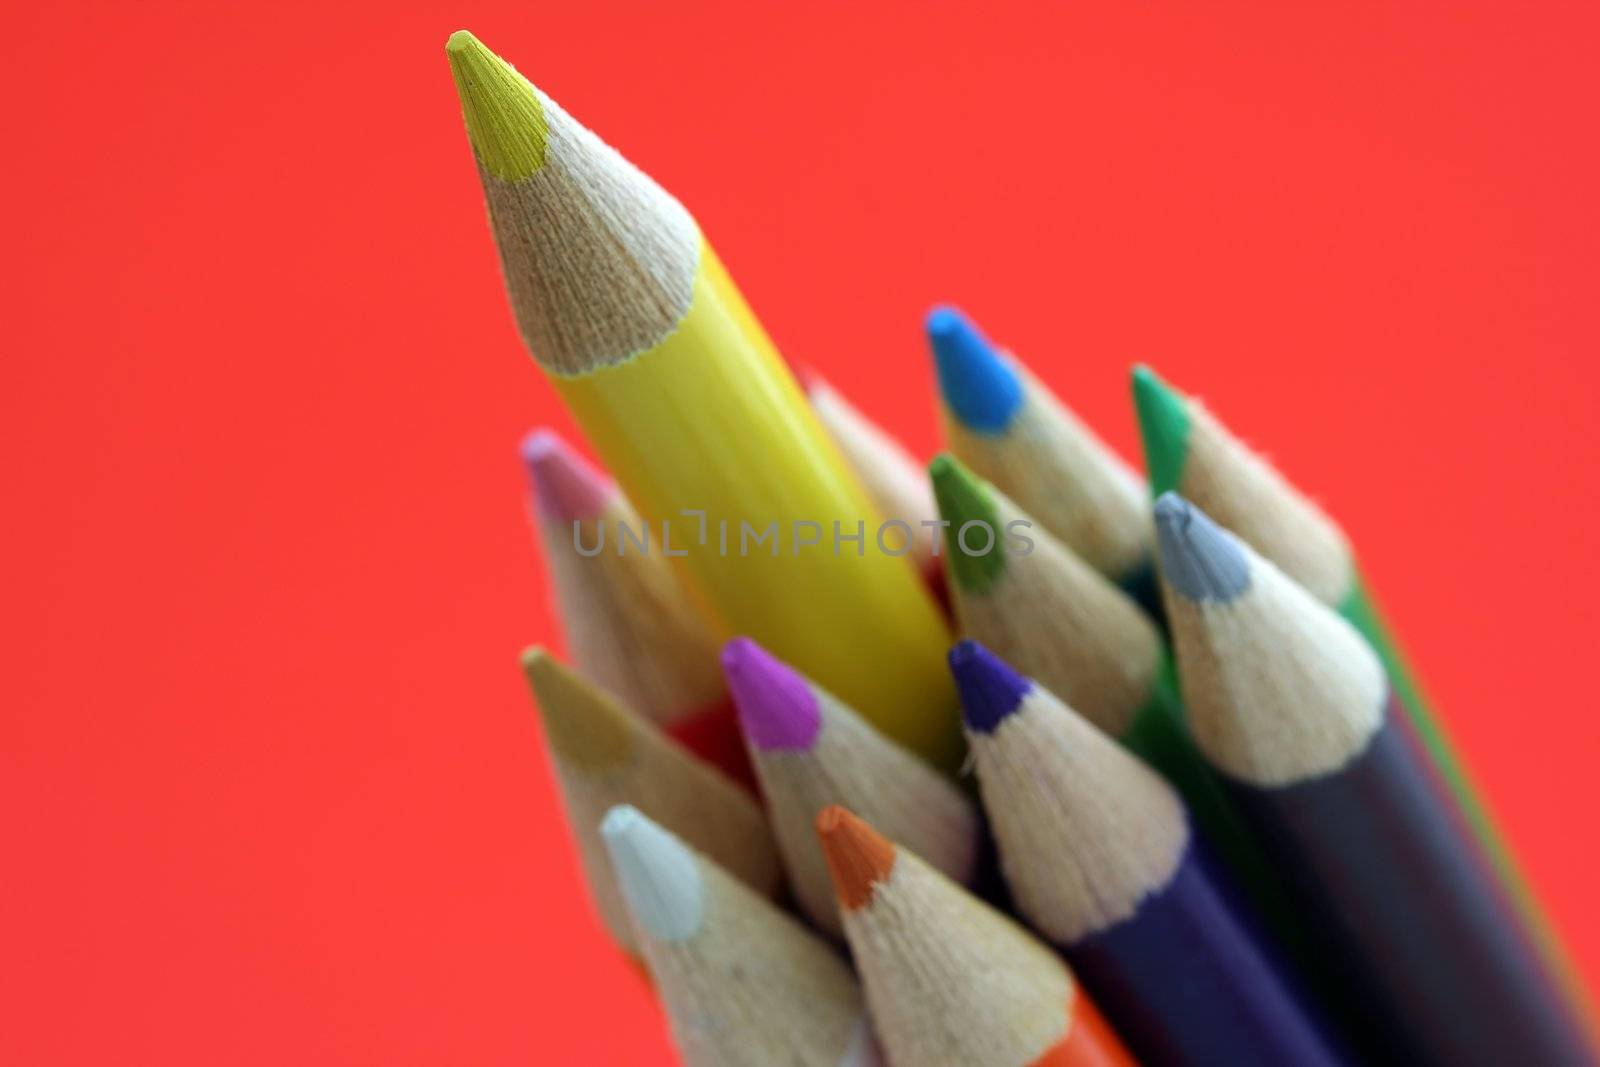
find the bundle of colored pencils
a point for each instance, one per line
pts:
(1215, 822)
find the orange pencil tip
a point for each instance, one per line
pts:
(858, 856)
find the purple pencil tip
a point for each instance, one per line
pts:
(566, 485)
(990, 690)
(777, 708)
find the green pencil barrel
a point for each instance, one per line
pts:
(1142, 586)
(1361, 611)
(1159, 736)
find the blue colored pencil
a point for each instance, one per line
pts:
(1293, 708)
(1100, 858)
(1012, 431)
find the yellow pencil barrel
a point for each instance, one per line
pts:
(710, 421)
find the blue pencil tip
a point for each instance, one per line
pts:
(979, 386)
(990, 690)
(1199, 559)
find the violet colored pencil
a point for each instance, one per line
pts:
(1101, 860)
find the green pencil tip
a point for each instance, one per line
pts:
(1164, 426)
(965, 498)
(505, 119)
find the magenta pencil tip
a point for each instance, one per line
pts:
(566, 485)
(777, 708)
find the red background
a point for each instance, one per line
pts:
(272, 790)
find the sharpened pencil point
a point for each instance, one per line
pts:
(657, 874)
(990, 690)
(858, 856)
(979, 387)
(584, 726)
(1163, 426)
(965, 498)
(1199, 559)
(565, 485)
(505, 119)
(777, 708)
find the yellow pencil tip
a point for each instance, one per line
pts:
(505, 118)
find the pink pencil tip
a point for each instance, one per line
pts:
(566, 485)
(777, 708)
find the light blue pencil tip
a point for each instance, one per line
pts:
(657, 874)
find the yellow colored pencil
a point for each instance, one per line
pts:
(628, 310)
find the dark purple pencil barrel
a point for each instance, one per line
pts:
(1187, 983)
(1377, 856)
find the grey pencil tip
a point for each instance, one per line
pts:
(1199, 559)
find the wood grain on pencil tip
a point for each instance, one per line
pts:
(1188, 450)
(598, 260)
(1040, 606)
(810, 751)
(950, 981)
(1293, 706)
(1011, 430)
(669, 373)
(742, 982)
(1059, 621)
(631, 627)
(1086, 831)
(603, 755)
(1100, 858)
